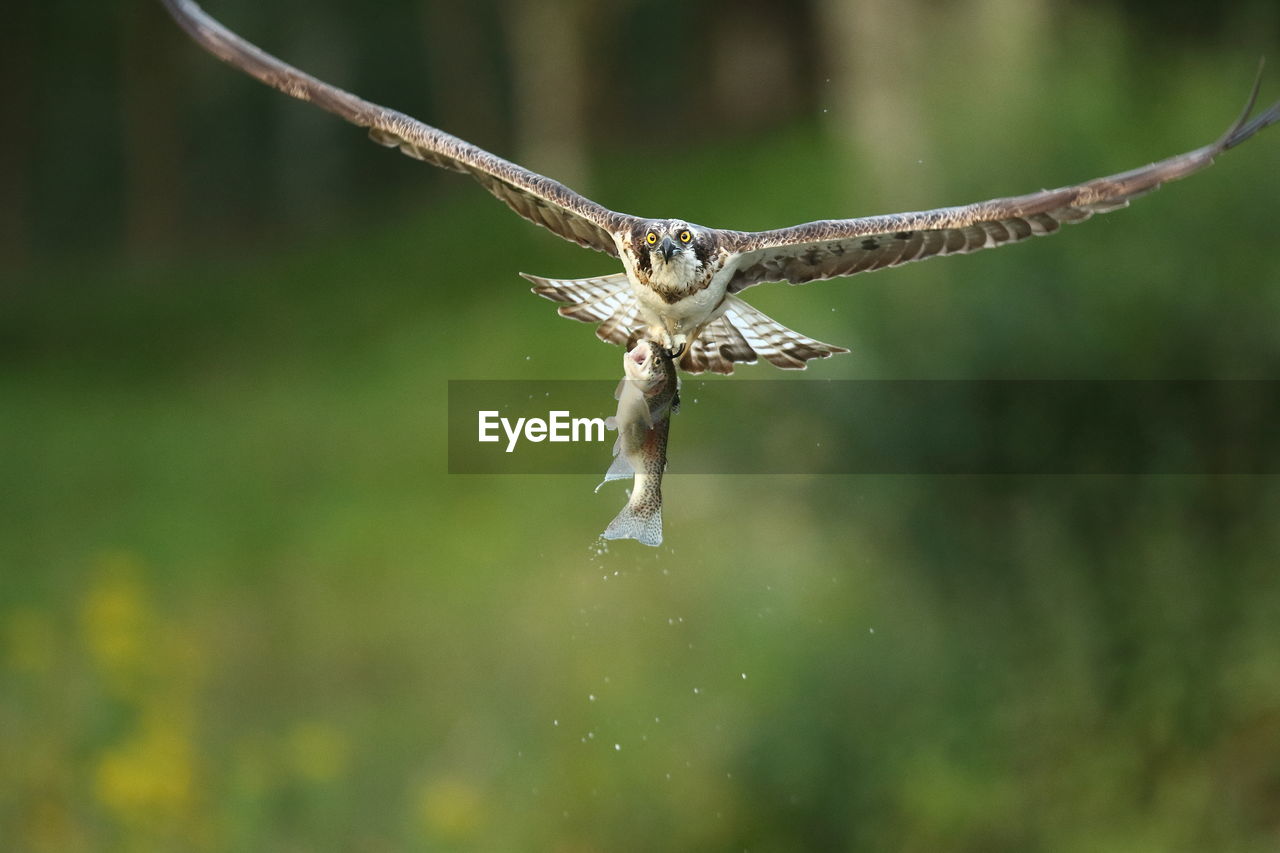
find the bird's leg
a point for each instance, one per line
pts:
(686, 341)
(675, 343)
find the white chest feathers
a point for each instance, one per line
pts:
(677, 275)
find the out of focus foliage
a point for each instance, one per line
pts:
(242, 606)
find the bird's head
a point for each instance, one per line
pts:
(665, 242)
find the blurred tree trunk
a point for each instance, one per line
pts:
(1012, 35)
(466, 88)
(875, 61)
(148, 123)
(549, 84)
(754, 59)
(1009, 41)
(307, 141)
(17, 82)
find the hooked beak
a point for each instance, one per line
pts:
(668, 248)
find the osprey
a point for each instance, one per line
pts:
(680, 281)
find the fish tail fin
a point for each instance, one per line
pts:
(607, 300)
(634, 523)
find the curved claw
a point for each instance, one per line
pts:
(678, 351)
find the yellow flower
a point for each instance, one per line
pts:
(148, 779)
(114, 619)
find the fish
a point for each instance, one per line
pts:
(647, 397)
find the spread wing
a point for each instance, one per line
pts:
(536, 198)
(831, 248)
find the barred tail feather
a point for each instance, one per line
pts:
(743, 333)
(740, 334)
(607, 300)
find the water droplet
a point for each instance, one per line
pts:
(591, 697)
(555, 722)
(617, 747)
(744, 676)
(696, 690)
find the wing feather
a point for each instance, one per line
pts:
(607, 300)
(537, 198)
(831, 248)
(742, 334)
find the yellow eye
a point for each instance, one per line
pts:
(652, 238)
(685, 236)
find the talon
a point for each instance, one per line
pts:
(678, 351)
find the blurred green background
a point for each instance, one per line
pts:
(242, 607)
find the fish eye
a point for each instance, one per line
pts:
(685, 235)
(651, 238)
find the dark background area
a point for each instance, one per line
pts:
(242, 605)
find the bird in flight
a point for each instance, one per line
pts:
(680, 282)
